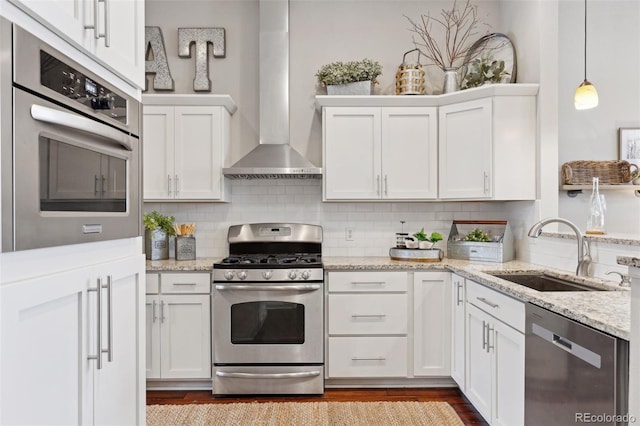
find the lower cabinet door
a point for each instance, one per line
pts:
(185, 328)
(508, 367)
(152, 336)
(478, 361)
(367, 357)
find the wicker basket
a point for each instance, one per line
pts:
(609, 172)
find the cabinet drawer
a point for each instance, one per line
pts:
(367, 357)
(152, 285)
(185, 283)
(501, 306)
(367, 314)
(363, 281)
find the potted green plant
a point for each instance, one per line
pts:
(484, 70)
(427, 241)
(157, 230)
(349, 78)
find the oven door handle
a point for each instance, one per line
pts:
(258, 287)
(267, 375)
(77, 122)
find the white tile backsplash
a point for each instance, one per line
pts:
(374, 224)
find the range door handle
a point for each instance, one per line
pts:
(301, 374)
(567, 345)
(258, 287)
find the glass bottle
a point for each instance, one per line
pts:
(595, 221)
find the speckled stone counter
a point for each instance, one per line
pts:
(607, 311)
(629, 261)
(200, 264)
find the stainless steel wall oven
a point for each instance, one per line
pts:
(71, 162)
(268, 311)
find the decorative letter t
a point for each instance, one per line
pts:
(202, 37)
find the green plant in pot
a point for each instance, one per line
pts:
(341, 73)
(157, 230)
(427, 241)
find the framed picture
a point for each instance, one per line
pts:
(630, 145)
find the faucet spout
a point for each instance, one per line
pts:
(584, 257)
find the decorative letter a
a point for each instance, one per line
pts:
(158, 65)
(202, 37)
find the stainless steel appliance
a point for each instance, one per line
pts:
(71, 157)
(268, 310)
(574, 374)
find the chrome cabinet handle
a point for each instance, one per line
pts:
(386, 185)
(368, 316)
(378, 184)
(486, 183)
(368, 282)
(96, 34)
(94, 26)
(154, 317)
(162, 311)
(375, 358)
(107, 23)
(184, 283)
(177, 186)
(169, 184)
(489, 333)
(267, 375)
(102, 185)
(484, 336)
(98, 356)
(95, 185)
(458, 299)
(109, 350)
(485, 301)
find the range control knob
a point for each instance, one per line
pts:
(242, 275)
(306, 274)
(267, 274)
(228, 275)
(293, 274)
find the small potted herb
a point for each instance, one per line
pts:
(157, 230)
(349, 78)
(427, 242)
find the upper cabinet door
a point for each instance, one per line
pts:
(158, 148)
(351, 144)
(465, 143)
(120, 30)
(65, 17)
(409, 153)
(199, 152)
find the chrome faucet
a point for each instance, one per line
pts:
(584, 257)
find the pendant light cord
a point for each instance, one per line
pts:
(585, 40)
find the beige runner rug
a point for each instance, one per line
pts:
(385, 413)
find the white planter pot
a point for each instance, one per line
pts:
(357, 88)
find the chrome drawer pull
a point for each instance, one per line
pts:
(377, 358)
(483, 300)
(184, 283)
(368, 316)
(268, 375)
(368, 282)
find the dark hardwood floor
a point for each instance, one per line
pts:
(453, 396)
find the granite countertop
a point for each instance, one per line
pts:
(607, 311)
(629, 261)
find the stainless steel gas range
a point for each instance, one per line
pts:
(268, 311)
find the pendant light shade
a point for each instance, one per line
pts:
(586, 96)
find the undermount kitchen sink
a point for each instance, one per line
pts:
(543, 282)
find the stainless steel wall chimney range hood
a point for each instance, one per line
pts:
(273, 158)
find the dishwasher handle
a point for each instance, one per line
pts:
(567, 345)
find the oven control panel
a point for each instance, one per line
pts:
(74, 85)
(266, 275)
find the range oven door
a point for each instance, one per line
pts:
(268, 323)
(75, 179)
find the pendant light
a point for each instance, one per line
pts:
(586, 96)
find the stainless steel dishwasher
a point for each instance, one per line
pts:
(573, 373)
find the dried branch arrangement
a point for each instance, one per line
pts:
(447, 39)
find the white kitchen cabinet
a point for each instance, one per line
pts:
(367, 324)
(487, 149)
(179, 326)
(432, 324)
(50, 342)
(494, 355)
(185, 148)
(458, 330)
(120, 27)
(373, 153)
